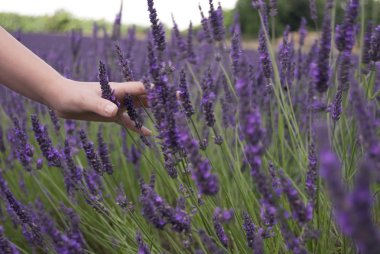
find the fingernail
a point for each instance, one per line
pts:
(145, 131)
(110, 109)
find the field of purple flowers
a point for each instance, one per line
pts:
(268, 151)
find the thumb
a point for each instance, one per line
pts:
(103, 107)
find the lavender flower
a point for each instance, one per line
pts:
(39, 163)
(189, 46)
(75, 42)
(94, 185)
(132, 113)
(181, 45)
(301, 212)
(103, 153)
(292, 242)
(312, 175)
(117, 24)
(345, 33)
(223, 215)
(159, 213)
(209, 243)
(264, 55)
(313, 10)
(91, 155)
(24, 150)
(344, 84)
(321, 70)
(30, 227)
(74, 231)
(123, 202)
(208, 99)
(107, 92)
(185, 96)
(236, 53)
(125, 64)
(158, 31)
(54, 120)
(375, 45)
(366, 50)
(142, 247)
(2, 145)
(250, 230)
(206, 181)
(6, 247)
(62, 243)
(49, 152)
(205, 27)
(358, 223)
(216, 20)
(219, 230)
(273, 8)
(74, 174)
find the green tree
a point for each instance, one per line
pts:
(291, 13)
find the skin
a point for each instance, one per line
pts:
(24, 72)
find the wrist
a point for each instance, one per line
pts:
(56, 92)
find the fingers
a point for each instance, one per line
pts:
(124, 120)
(102, 107)
(121, 118)
(88, 116)
(132, 88)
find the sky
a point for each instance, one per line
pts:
(135, 11)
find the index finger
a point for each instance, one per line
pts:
(135, 88)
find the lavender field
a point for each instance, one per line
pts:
(274, 150)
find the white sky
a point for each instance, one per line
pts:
(135, 11)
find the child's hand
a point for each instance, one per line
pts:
(83, 101)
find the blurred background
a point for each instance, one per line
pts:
(60, 16)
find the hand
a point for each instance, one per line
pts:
(83, 101)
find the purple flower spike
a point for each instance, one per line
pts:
(132, 113)
(205, 26)
(216, 20)
(208, 99)
(158, 31)
(107, 92)
(159, 213)
(313, 10)
(345, 33)
(2, 144)
(366, 50)
(6, 247)
(249, 229)
(375, 45)
(103, 153)
(224, 216)
(265, 60)
(301, 212)
(73, 176)
(189, 46)
(219, 230)
(206, 181)
(91, 155)
(142, 247)
(312, 175)
(30, 226)
(273, 8)
(24, 150)
(209, 243)
(49, 152)
(321, 69)
(185, 96)
(124, 64)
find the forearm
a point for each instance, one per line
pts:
(24, 72)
